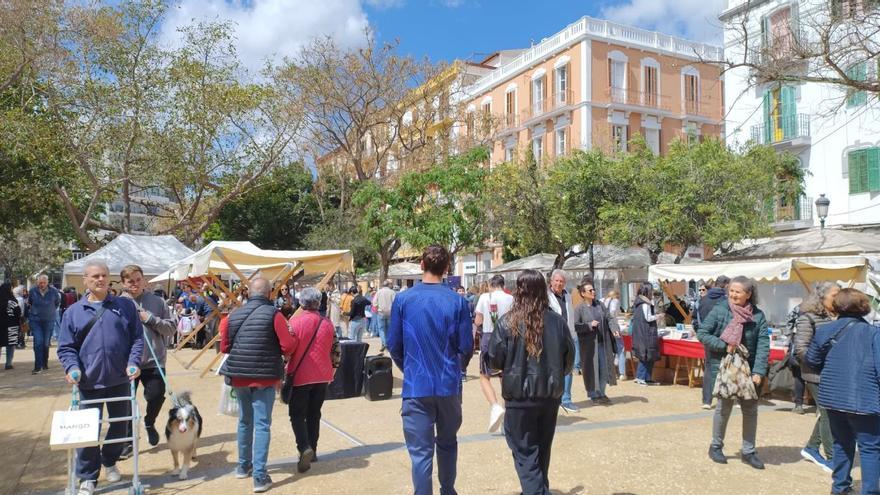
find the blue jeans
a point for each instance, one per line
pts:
(356, 329)
(848, 430)
(254, 427)
(566, 391)
(603, 372)
(621, 357)
(42, 332)
(645, 370)
(420, 415)
(382, 323)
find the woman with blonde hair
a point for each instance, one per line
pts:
(534, 348)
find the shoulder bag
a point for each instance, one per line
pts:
(287, 385)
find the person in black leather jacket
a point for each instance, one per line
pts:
(533, 346)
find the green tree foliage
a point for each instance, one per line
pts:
(700, 194)
(278, 214)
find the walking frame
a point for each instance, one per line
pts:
(136, 488)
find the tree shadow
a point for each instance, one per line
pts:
(623, 399)
(578, 490)
(569, 420)
(334, 462)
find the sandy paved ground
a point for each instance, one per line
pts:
(650, 441)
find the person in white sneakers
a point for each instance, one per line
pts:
(491, 306)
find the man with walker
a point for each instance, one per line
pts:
(100, 346)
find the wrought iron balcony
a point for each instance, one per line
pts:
(793, 130)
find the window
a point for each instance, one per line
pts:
(780, 114)
(561, 142)
(618, 137)
(780, 32)
(510, 108)
(847, 9)
(858, 72)
(486, 110)
(538, 92)
(864, 170)
(538, 148)
(652, 139)
(651, 86)
(617, 80)
(508, 154)
(691, 93)
(692, 134)
(562, 86)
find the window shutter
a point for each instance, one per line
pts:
(858, 171)
(789, 111)
(873, 169)
(768, 121)
(765, 34)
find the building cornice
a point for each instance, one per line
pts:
(598, 30)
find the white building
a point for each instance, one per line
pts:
(834, 133)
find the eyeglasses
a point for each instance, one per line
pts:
(589, 290)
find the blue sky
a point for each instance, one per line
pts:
(439, 29)
(450, 29)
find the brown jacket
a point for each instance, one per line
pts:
(805, 328)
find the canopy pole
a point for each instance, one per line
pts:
(244, 280)
(671, 296)
(801, 278)
(287, 273)
(323, 283)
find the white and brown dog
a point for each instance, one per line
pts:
(182, 432)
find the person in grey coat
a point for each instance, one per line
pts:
(597, 332)
(815, 311)
(158, 324)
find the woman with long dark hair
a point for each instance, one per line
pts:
(534, 348)
(10, 322)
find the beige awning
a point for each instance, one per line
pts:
(804, 270)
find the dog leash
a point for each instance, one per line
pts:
(170, 392)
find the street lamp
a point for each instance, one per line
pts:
(822, 209)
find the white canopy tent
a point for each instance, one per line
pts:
(781, 277)
(154, 254)
(233, 258)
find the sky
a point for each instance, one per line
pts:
(442, 30)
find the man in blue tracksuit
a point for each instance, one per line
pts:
(100, 346)
(430, 339)
(44, 301)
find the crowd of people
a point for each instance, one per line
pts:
(534, 340)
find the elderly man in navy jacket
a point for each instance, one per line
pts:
(100, 346)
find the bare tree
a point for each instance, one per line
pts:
(830, 42)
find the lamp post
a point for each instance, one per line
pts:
(822, 209)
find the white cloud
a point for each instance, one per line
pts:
(385, 4)
(692, 19)
(271, 29)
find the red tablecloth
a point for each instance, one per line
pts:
(693, 348)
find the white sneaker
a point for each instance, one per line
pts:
(86, 488)
(495, 417)
(113, 474)
(622, 378)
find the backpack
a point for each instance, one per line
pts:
(790, 331)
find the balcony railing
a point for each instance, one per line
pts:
(624, 96)
(508, 121)
(706, 107)
(802, 211)
(785, 128)
(559, 99)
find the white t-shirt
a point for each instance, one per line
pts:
(502, 302)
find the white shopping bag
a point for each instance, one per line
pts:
(228, 400)
(75, 429)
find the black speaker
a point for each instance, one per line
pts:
(349, 379)
(379, 380)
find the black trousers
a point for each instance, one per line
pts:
(90, 459)
(530, 426)
(154, 393)
(305, 414)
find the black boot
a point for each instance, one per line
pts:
(752, 460)
(717, 455)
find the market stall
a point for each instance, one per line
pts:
(243, 260)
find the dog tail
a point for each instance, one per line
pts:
(184, 397)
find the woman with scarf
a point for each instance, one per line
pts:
(737, 327)
(10, 322)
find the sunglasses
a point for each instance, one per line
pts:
(703, 289)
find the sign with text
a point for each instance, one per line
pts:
(470, 267)
(74, 429)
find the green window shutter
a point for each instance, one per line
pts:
(765, 35)
(858, 72)
(858, 171)
(789, 111)
(768, 120)
(873, 169)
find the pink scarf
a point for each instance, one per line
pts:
(733, 333)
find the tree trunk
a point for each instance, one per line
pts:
(592, 263)
(559, 262)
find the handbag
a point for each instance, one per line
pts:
(287, 383)
(781, 377)
(734, 379)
